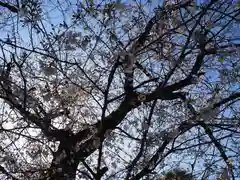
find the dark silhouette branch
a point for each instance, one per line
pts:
(143, 141)
(228, 99)
(11, 8)
(209, 132)
(154, 161)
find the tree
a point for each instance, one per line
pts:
(118, 90)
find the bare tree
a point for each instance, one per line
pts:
(119, 90)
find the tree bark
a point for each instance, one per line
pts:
(64, 164)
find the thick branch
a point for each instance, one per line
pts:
(188, 80)
(9, 7)
(228, 99)
(109, 123)
(42, 123)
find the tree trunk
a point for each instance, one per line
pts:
(64, 164)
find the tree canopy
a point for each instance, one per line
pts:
(130, 90)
